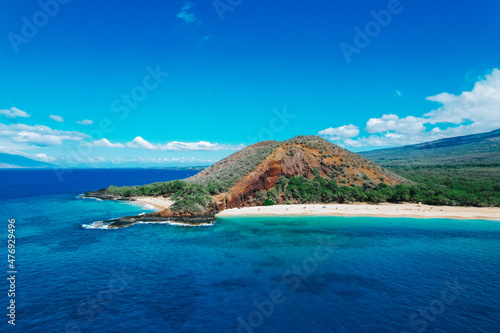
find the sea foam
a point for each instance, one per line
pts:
(96, 225)
(178, 224)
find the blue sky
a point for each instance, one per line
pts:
(164, 83)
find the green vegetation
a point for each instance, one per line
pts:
(464, 185)
(440, 184)
(188, 197)
(268, 202)
(434, 186)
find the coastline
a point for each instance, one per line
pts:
(411, 210)
(158, 203)
(361, 209)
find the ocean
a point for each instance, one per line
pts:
(291, 274)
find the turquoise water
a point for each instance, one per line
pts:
(295, 274)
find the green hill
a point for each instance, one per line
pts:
(483, 148)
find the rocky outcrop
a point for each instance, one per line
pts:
(163, 216)
(166, 215)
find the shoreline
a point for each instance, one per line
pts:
(368, 210)
(384, 210)
(159, 203)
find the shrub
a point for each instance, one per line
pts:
(268, 202)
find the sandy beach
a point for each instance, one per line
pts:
(158, 202)
(381, 210)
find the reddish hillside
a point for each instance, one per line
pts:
(301, 156)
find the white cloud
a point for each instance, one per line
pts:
(59, 119)
(397, 139)
(85, 122)
(342, 132)
(186, 15)
(98, 159)
(38, 134)
(137, 160)
(469, 112)
(175, 160)
(205, 39)
(201, 145)
(38, 156)
(87, 160)
(140, 143)
(391, 122)
(14, 112)
(43, 158)
(103, 143)
(481, 105)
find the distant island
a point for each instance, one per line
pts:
(302, 170)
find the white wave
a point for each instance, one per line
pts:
(96, 225)
(102, 225)
(81, 196)
(178, 224)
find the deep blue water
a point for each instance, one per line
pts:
(314, 274)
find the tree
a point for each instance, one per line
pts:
(376, 197)
(401, 193)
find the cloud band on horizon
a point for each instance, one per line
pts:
(140, 143)
(470, 112)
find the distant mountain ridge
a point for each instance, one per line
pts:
(482, 148)
(16, 161)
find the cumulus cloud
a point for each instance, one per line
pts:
(98, 159)
(14, 113)
(342, 132)
(391, 122)
(469, 112)
(200, 145)
(400, 139)
(175, 160)
(481, 105)
(43, 157)
(140, 143)
(59, 119)
(140, 160)
(103, 143)
(85, 122)
(72, 160)
(38, 134)
(187, 15)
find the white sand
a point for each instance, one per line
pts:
(158, 202)
(382, 210)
